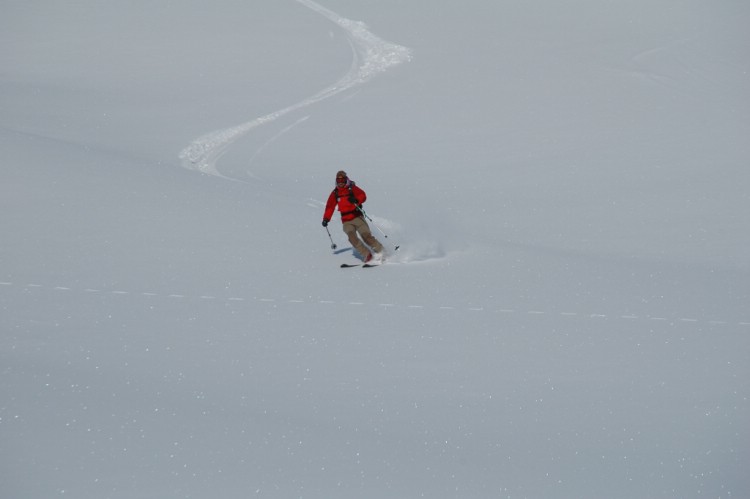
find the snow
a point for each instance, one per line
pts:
(567, 315)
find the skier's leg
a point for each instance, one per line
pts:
(367, 237)
(350, 229)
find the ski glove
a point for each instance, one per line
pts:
(353, 200)
(325, 222)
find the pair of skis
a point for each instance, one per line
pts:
(363, 265)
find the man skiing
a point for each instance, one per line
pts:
(349, 197)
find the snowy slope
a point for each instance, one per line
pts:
(567, 315)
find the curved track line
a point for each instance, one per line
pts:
(273, 139)
(371, 56)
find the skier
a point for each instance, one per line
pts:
(349, 197)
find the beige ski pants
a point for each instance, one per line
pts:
(359, 225)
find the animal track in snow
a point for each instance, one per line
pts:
(488, 308)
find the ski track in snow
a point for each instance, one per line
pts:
(371, 56)
(490, 308)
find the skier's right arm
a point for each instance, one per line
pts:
(330, 207)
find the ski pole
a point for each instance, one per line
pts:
(362, 210)
(333, 245)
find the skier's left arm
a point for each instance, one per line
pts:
(359, 196)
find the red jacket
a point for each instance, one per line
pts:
(348, 209)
